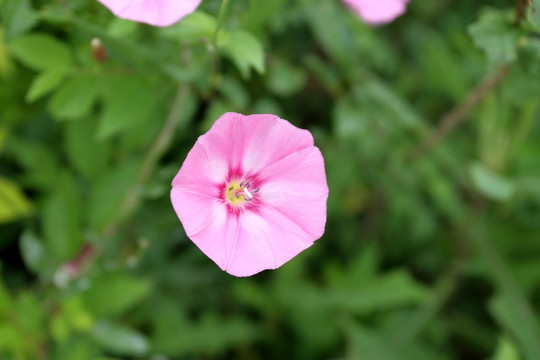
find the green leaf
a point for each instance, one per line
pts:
(3, 137)
(525, 331)
(13, 203)
(7, 66)
(115, 293)
(193, 28)
(41, 52)
(127, 101)
(61, 219)
(120, 339)
(87, 155)
(496, 35)
(244, 50)
(33, 252)
(491, 184)
(107, 194)
(285, 79)
(534, 14)
(44, 83)
(506, 350)
(17, 17)
(75, 98)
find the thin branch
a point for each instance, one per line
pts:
(459, 113)
(156, 151)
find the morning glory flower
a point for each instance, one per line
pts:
(153, 12)
(378, 12)
(252, 193)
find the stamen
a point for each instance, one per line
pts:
(237, 193)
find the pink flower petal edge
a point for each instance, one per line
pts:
(252, 193)
(378, 12)
(153, 12)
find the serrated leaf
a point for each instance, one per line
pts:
(44, 83)
(41, 52)
(13, 202)
(496, 35)
(61, 219)
(245, 51)
(75, 98)
(120, 290)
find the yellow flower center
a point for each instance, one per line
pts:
(238, 192)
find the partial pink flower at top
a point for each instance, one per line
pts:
(378, 12)
(252, 193)
(153, 12)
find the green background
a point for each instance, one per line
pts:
(430, 131)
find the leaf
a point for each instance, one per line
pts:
(7, 66)
(506, 350)
(361, 290)
(87, 155)
(17, 17)
(244, 50)
(61, 219)
(107, 194)
(525, 331)
(114, 293)
(495, 34)
(3, 137)
(41, 52)
(13, 203)
(534, 14)
(44, 83)
(285, 79)
(33, 252)
(193, 28)
(120, 339)
(127, 101)
(37, 159)
(75, 98)
(491, 184)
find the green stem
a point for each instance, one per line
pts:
(156, 151)
(221, 18)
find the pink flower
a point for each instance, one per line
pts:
(252, 193)
(153, 12)
(377, 12)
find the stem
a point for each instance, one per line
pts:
(459, 113)
(157, 149)
(221, 17)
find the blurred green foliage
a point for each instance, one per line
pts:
(433, 237)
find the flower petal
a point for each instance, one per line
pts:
(153, 12)
(296, 185)
(259, 140)
(266, 240)
(206, 165)
(377, 12)
(207, 223)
